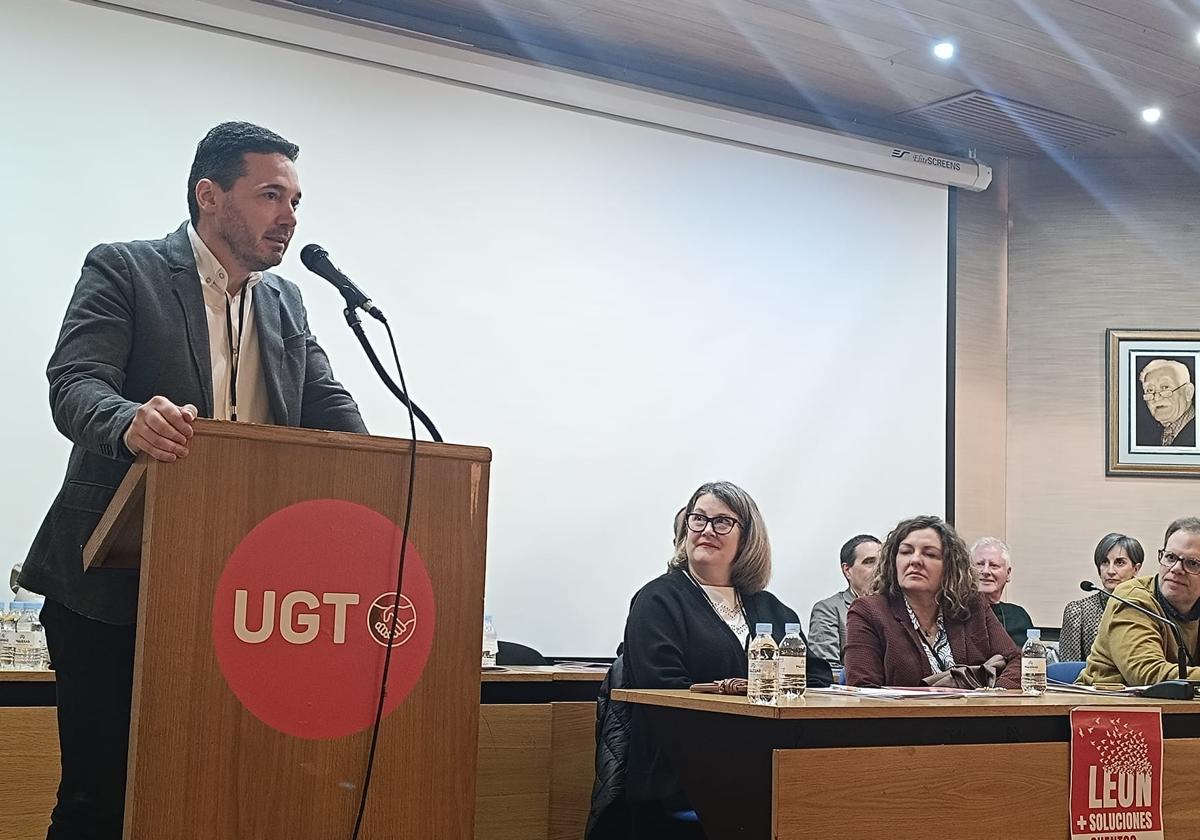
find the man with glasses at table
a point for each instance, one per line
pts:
(1170, 396)
(1133, 649)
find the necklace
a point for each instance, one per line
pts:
(724, 610)
(734, 616)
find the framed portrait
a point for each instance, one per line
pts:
(1151, 409)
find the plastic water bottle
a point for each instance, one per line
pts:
(1033, 664)
(490, 643)
(8, 637)
(23, 648)
(763, 664)
(793, 666)
(41, 658)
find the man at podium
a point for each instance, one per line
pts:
(158, 333)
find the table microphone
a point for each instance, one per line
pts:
(1179, 689)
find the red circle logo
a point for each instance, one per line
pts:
(303, 613)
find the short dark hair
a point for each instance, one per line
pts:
(848, 549)
(1183, 523)
(220, 156)
(1114, 540)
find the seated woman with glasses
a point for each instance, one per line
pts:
(925, 615)
(1131, 648)
(692, 625)
(1118, 558)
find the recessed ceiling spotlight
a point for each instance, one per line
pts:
(944, 50)
(1151, 115)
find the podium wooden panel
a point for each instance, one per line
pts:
(29, 741)
(201, 765)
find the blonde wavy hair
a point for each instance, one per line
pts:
(960, 581)
(751, 568)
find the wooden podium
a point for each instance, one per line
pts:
(201, 763)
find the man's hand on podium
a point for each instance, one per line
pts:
(161, 429)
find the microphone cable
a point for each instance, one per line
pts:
(408, 506)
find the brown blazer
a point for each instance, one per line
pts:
(883, 648)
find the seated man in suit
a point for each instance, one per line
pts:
(158, 333)
(827, 623)
(1133, 649)
(993, 564)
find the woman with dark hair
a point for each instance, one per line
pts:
(1118, 558)
(692, 625)
(925, 614)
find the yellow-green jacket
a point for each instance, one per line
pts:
(1134, 649)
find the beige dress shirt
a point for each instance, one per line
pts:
(221, 311)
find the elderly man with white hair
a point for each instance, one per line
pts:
(1169, 394)
(993, 564)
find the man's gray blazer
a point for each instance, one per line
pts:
(136, 328)
(827, 627)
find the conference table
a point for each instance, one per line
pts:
(534, 774)
(986, 767)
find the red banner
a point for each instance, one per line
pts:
(1116, 774)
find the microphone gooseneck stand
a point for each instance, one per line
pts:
(355, 324)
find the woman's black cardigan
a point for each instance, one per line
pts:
(674, 638)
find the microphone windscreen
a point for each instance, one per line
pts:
(311, 254)
(1087, 585)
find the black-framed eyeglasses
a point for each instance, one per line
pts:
(1159, 393)
(720, 524)
(1167, 559)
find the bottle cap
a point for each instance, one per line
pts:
(761, 628)
(1033, 634)
(487, 619)
(791, 628)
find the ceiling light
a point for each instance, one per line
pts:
(1151, 115)
(944, 50)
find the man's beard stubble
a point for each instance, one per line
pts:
(241, 241)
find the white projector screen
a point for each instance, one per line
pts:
(620, 312)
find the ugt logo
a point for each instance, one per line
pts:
(384, 611)
(303, 613)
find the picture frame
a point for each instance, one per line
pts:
(1150, 382)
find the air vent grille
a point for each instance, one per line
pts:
(981, 119)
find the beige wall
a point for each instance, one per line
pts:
(981, 358)
(1102, 245)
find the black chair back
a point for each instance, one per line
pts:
(512, 653)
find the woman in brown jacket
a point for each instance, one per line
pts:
(926, 614)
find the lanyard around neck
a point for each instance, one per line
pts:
(235, 352)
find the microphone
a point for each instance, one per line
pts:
(316, 260)
(1179, 689)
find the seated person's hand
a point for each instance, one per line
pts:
(161, 429)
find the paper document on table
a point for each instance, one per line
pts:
(911, 693)
(1108, 691)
